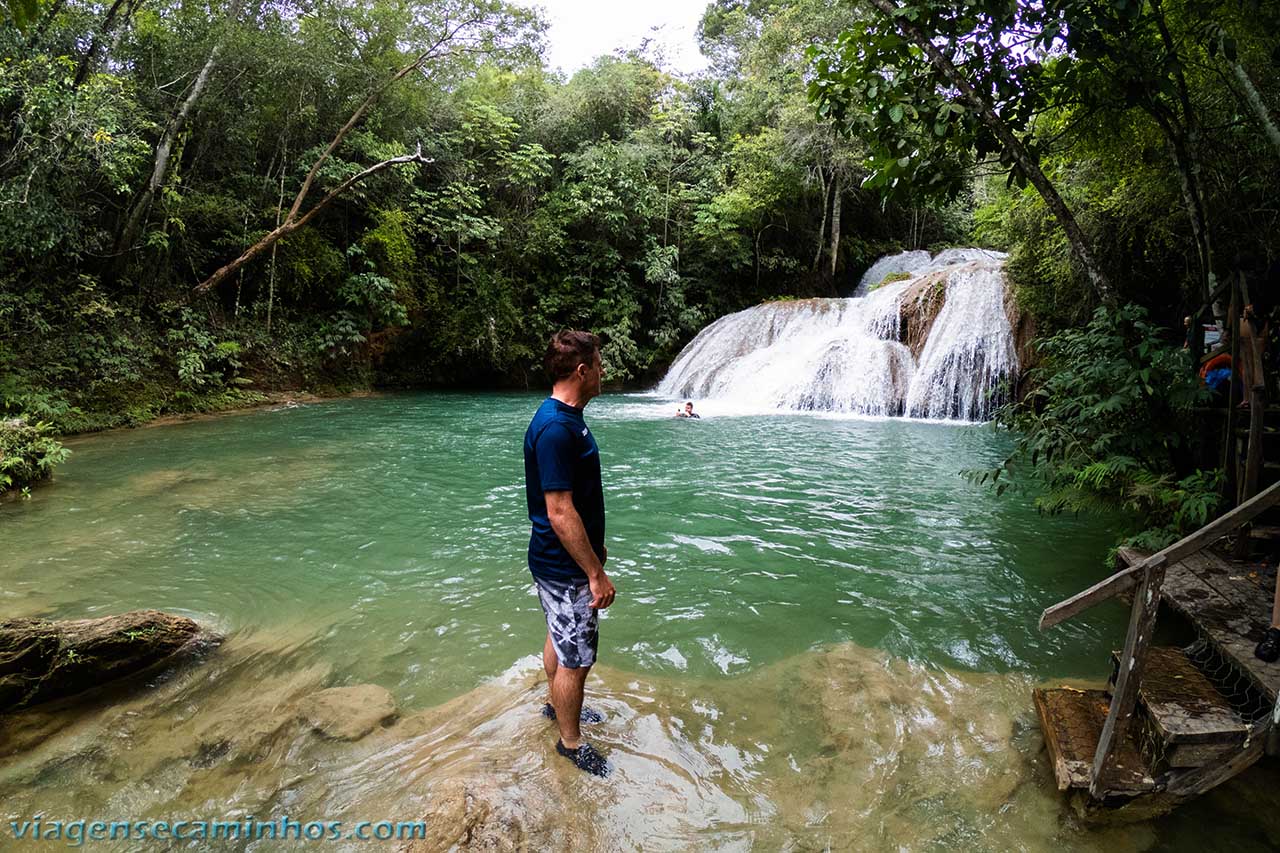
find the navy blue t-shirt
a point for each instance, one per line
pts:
(561, 454)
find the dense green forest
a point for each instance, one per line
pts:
(150, 144)
(202, 202)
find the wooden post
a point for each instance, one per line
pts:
(1142, 622)
(1256, 391)
(1230, 460)
(1253, 464)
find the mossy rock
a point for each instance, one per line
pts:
(42, 660)
(890, 279)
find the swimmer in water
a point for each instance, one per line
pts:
(687, 412)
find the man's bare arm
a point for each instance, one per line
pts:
(569, 529)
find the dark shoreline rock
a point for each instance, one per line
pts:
(42, 660)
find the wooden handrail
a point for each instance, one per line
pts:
(1126, 579)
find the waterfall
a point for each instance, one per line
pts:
(889, 264)
(937, 344)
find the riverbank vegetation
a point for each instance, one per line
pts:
(202, 203)
(1108, 428)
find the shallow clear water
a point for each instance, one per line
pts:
(778, 576)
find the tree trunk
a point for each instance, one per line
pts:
(836, 191)
(1183, 141)
(292, 220)
(38, 31)
(89, 60)
(822, 229)
(759, 234)
(666, 209)
(271, 280)
(1076, 237)
(1195, 212)
(1259, 107)
(356, 116)
(164, 149)
(291, 224)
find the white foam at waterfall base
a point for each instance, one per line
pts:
(846, 356)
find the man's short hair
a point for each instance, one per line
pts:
(567, 350)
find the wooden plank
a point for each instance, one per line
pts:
(1118, 584)
(1068, 771)
(1126, 579)
(1232, 583)
(1183, 711)
(1232, 632)
(1142, 622)
(1071, 721)
(1183, 704)
(1127, 556)
(1171, 679)
(1192, 783)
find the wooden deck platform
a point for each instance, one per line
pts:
(1229, 603)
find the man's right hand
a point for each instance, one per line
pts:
(602, 591)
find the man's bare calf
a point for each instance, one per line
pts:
(551, 665)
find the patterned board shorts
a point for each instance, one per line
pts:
(573, 624)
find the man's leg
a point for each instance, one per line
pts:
(1269, 648)
(1275, 604)
(566, 697)
(549, 665)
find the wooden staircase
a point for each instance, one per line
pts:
(1172, 722)
(1183, 722)
(1176, 722)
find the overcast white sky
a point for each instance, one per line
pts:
(581, 30)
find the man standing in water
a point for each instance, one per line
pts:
(566, 549)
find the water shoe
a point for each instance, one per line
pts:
(1269, 649)
(585, 758)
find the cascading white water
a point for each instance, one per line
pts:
(851, 355)
(889, 264)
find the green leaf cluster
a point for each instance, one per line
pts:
(1107, 429)
(28, 453)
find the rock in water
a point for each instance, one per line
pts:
(42, 659)
(348, 713)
